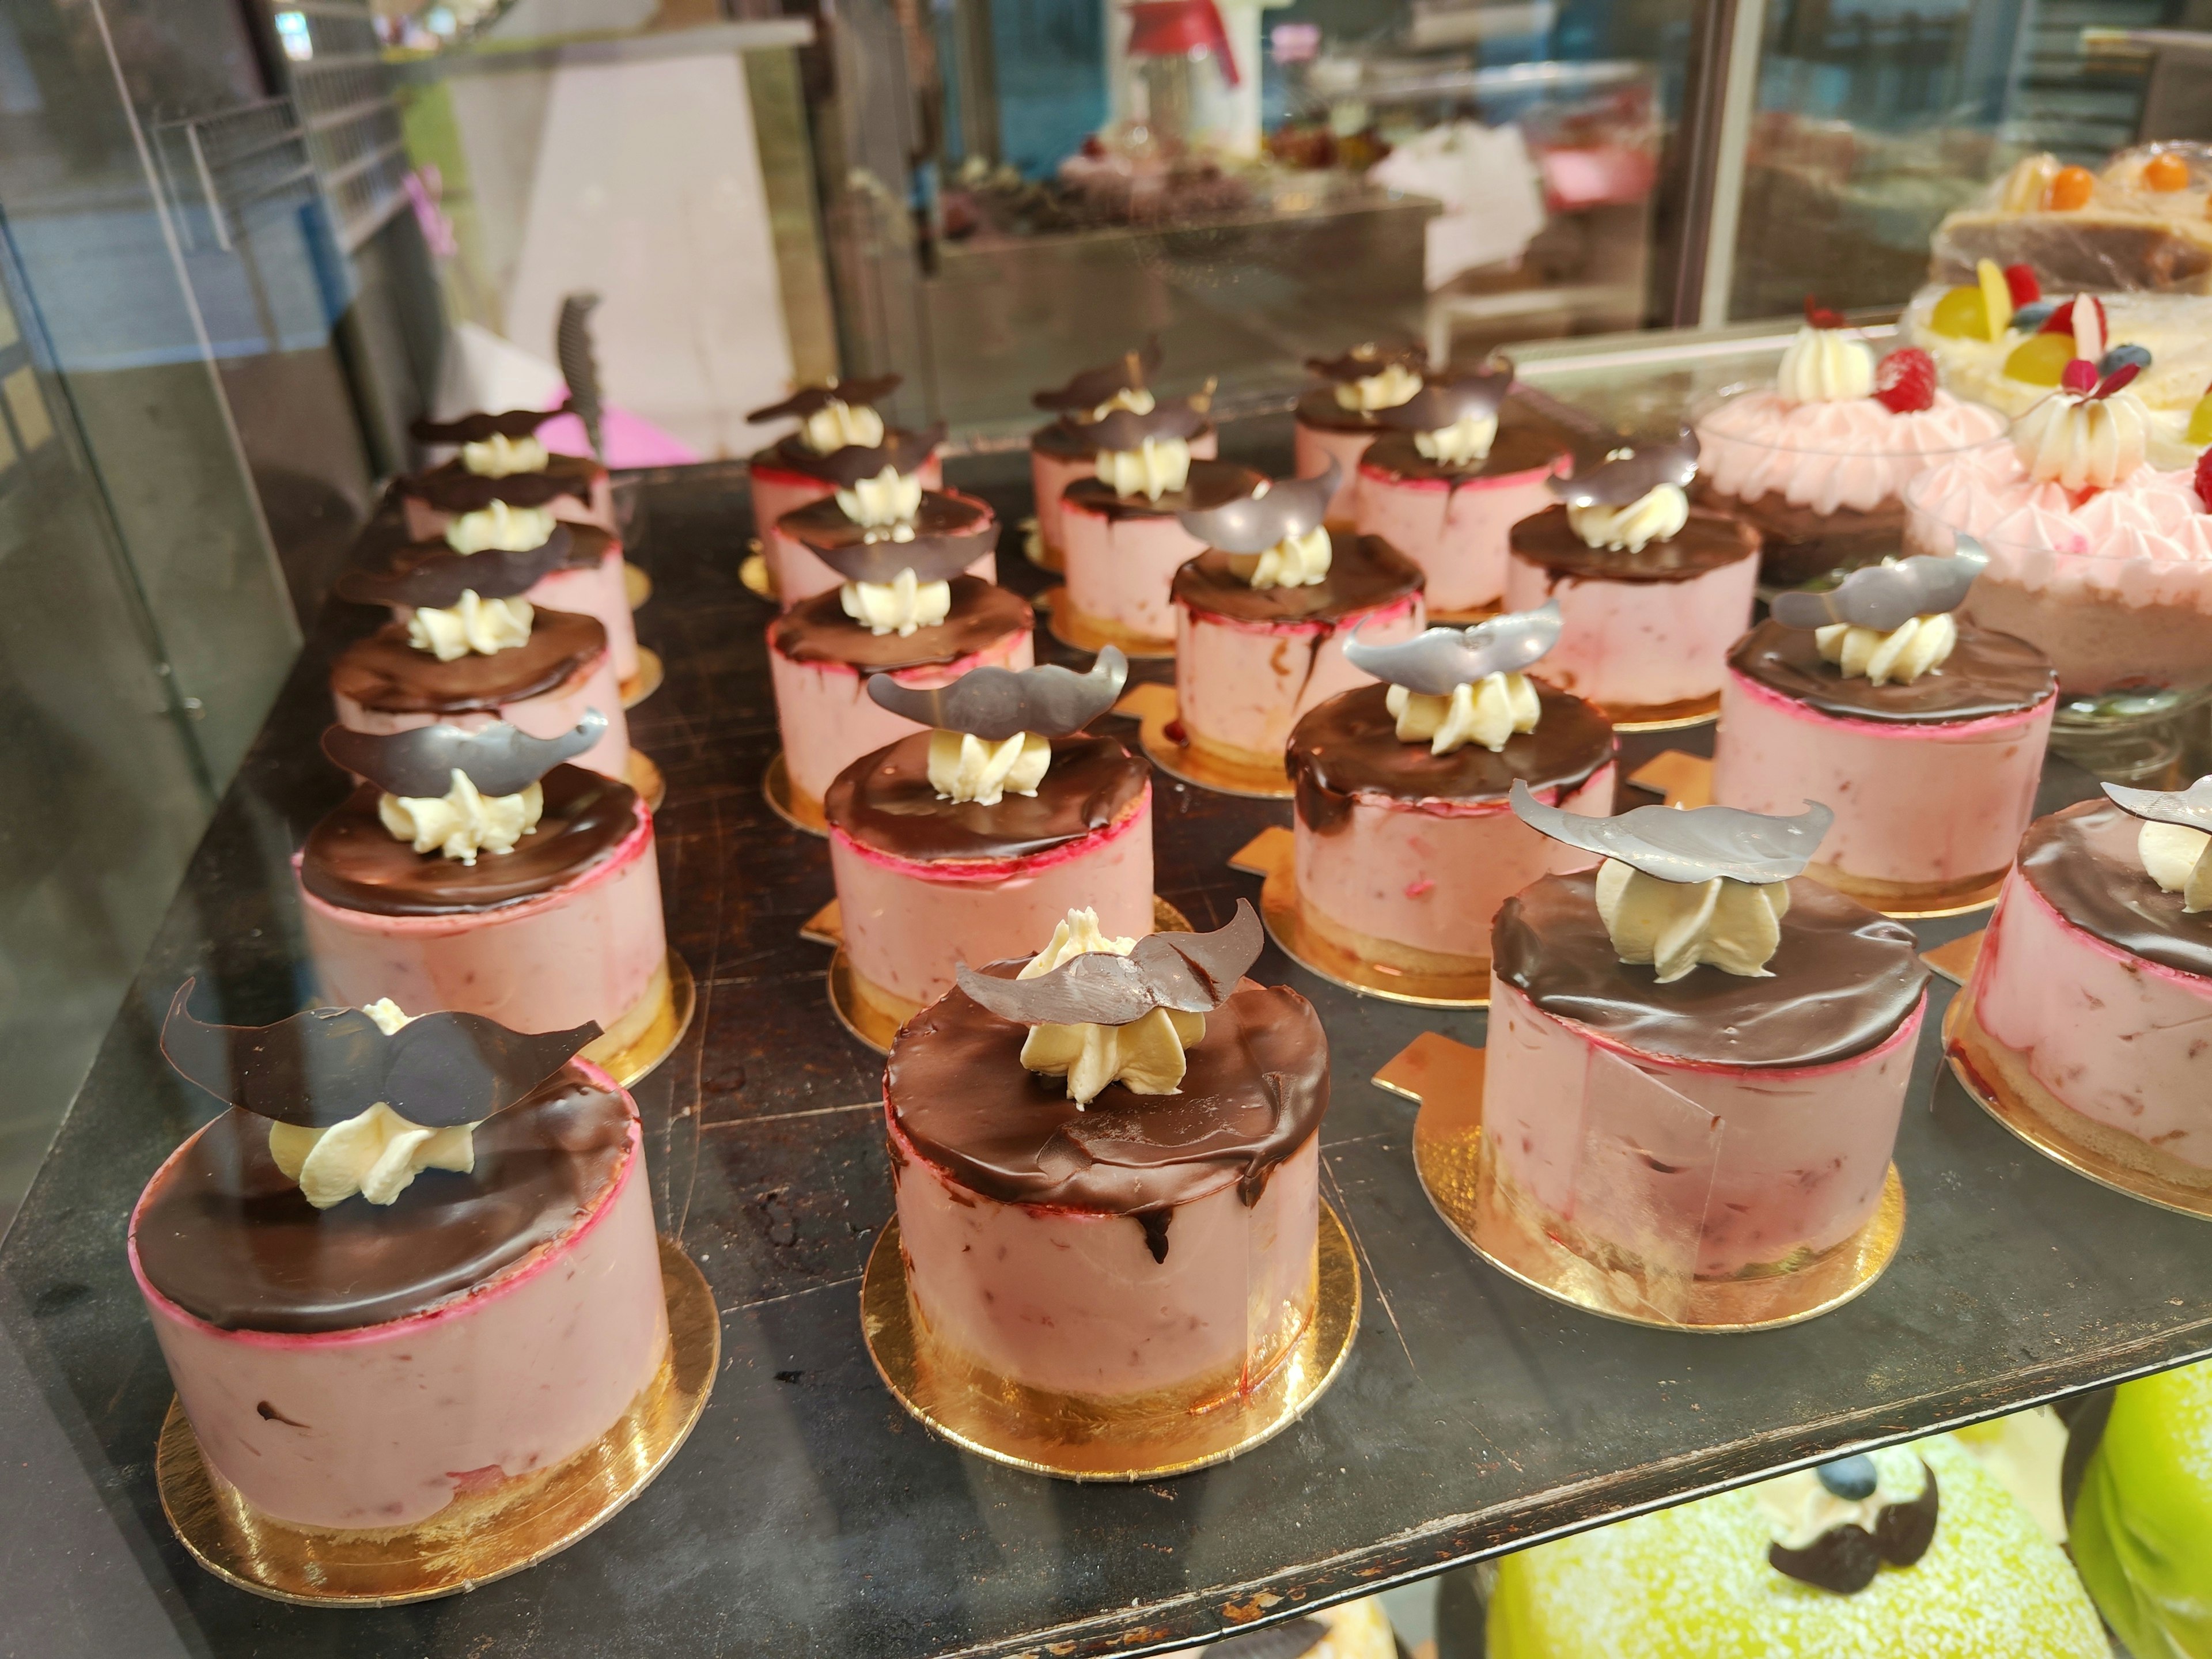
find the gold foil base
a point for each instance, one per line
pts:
(1955, 960)
(445, 1555)
(645, 777)
(753, 572)
(1664, 717)
(1155, 710)
(1071, 627)
(799, 810)
(1038, 551)
(2052, 1140)
(1679, 779)
(634, 1061)
(1467, 617)
(637, 586)
(1464, 1185)
(1063, 1436)
(1269, 855)
(651, 672)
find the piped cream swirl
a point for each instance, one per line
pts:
(2180, 859)
(1466, 440)
(463, 822)
(1659, 512)
(377, 1153)
(2083, 443)
(1157, 467)
(501, 528)
(1145, 1056)
(889, 498)
(502, 457)
(1294, 561)
(1826, 365)
(898, 606)
(1134, 398)
(963, 767)
(486, 626)
(1389, 386)
(1487, 711)
(1734, 926)
(840, 425)
(1914, 647)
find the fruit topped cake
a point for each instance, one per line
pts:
(1926, 732)
(500, 459)
(1066, 449)
(1454, 469)
(407, 1276)
(2141, 223)
(1817, 463)
(1336, 419)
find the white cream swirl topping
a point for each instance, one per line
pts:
(486, 626)
(1915, 646)
(963, 767)
(502, 457)
(463, 822)
(2180, 859)
(1389, 386)
(1734, 926)
(1659, 512)
(1487, 711)
(1157, 467)
(1145, 1056)
(889, 498)
(1134, 398)
(500, 528)
(1294, 561)
(1826, 365)
(2083, 443)
(840, 425)
(377, 1153)
(1466, 440)
(898, 606)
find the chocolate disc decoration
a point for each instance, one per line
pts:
(1693, 845)
(900, 451)
(1274, 512)
(480, 427)
(996, 703)
(1887, 596)
(318, 1069)
(1438, 662)
(440, 577)
(810, 401)
(1131, 372)
(1172, 418)
(1194, 973)
(1293, 1639)
(1632, 472)
(1443, 401)
(2191, 808)
(1845, 1558)
(499, 760)
(1367, 359)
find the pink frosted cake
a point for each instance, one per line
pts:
(1453, 472)
(408, 1276)
(501, 459)
(1695, 981)
(474, 872)
(842, 452)
(968, 842)
(1121, 1211)
(1817, 463)
(904, 609)
(1336, 420)
(1262, 616)
(1067, 451)
(2088, 1001)
(1926, 732)
(1405, 845)
(1653, 592)
(469, 650)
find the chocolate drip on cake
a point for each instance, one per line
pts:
(1350, 746)
(1523, 445)
(1155, 1223)
(1705, 544)
(353, 861)
(1843, 980)
(1987, 673)
(226, 1236)
(2084, 863)
(1253, 1092)
(1210, 485)
(885, 802)
(384, 672)
(818, 630)
(452, 488)
(1365, 574)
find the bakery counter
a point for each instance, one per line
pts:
(808, 1514)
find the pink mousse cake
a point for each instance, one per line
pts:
(1606, 1084)
(1336, 420)
(1142, 1253)
(429, 1359)
(501, 459)
(1067, 450)
(2089, 999)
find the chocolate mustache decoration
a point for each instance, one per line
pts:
(1369, 358)
(1252, 524)
(1632, 472)
(440, 578)
(1693, 845)
(900, 451)
(945, 536)
(812, 400)
(480, 427)
(1171, 417)
(1441, 403)
(1887, 596)
(2191, 808)
(1845, 1558)
(1131, 372)
(452, 488)
(1194, 973)
(997, 703)
(1439, 661)
(318, 1069)
(499, 760)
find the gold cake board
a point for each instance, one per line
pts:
(644, 776)
(651, 672)
(1665, 717)
(658, 1040)
(801, 811)
(1446, 1078)
(1156, 712)
(2054, 1143)
(1269, 856)
(1060, 1435)
(752, 570)
(387, 1567)
(1038, 551)
(637, 586)
(1073, 629)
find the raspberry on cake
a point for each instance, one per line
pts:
(1066, 449)
(1336, 420)
(502, 460)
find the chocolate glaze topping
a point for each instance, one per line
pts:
(351, 860)
(1317, 407)
(1255, 1090)
(1987, 673)
(1523, 446)
(942, 513)
(1059, 438)
(885, 801)
(482, 424)
(1844, 979)
(1709, 541)
(2084, 861)
(1798, 543)
(225, 1235)
(818, 630)
(1349, 745)
(452, 488)
(1210, 485)
(1365, 572)
(386, 673)
(903, 449)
